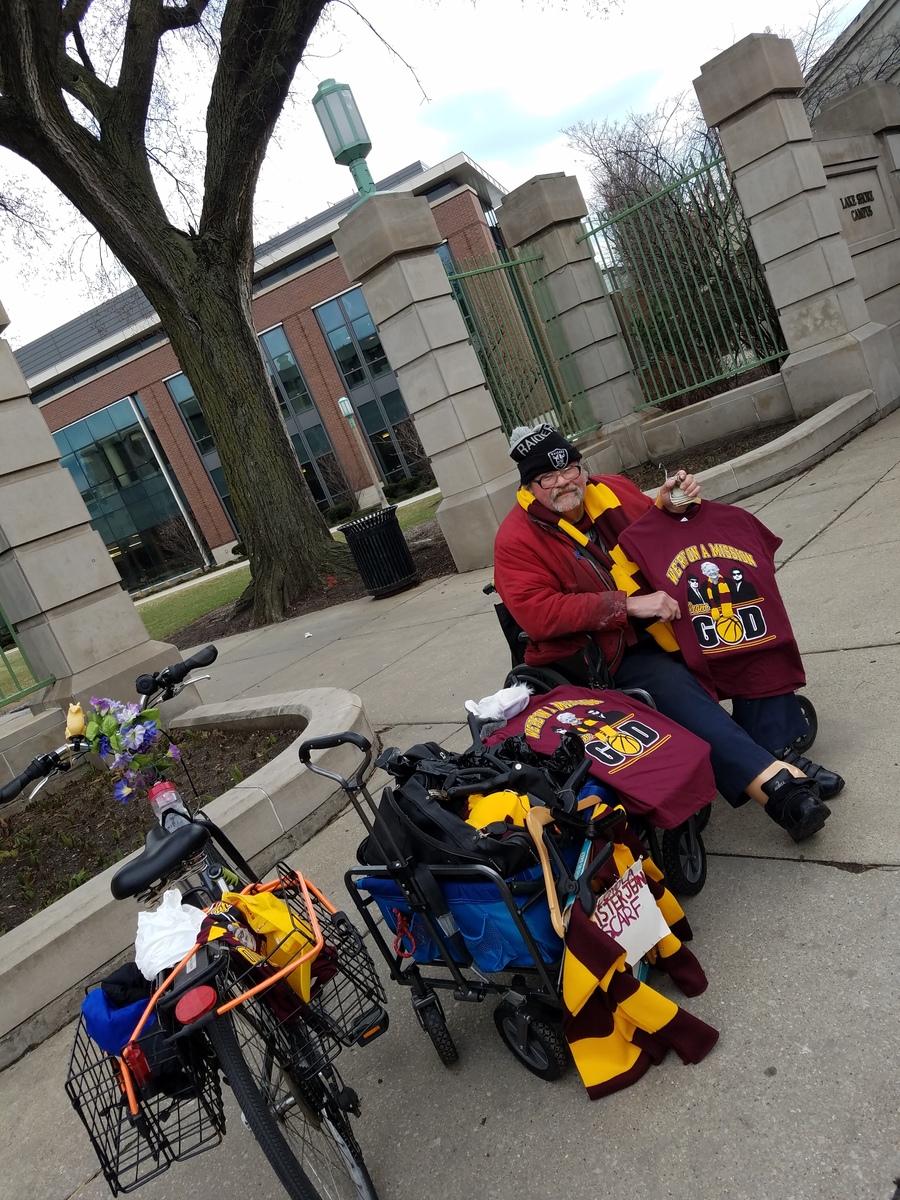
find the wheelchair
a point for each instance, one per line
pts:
(680, 852)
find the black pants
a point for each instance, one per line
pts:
(740, 747)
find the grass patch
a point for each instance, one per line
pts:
(170, 612)
(164, 615)
(14, 676)
(417, 514)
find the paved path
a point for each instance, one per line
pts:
(798, 1101)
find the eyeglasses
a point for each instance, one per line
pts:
(566, 475)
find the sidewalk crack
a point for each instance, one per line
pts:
(852, 868)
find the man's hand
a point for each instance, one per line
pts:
(688, 485)
(659, 606)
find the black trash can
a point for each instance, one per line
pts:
(380, 552)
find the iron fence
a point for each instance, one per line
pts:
(17, 678)
(515, 330)
(688, 288)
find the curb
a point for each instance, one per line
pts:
(792, 453)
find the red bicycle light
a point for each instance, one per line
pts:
(196, 1004)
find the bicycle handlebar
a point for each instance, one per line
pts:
(170, 677)
(41, 767)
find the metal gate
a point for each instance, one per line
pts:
(17, 679)
(688, 288)
(516, 332)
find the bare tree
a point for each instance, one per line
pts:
(83, 118)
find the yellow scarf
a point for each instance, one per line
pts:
(598, 498)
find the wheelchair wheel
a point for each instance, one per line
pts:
(805, 741)
(431, 1018)
(544, 1053)
(539, 679)
(701, 819)
(683, 859)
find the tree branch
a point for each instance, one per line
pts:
(80, 81)
(261, 46)
(72, 16)
(191, 13)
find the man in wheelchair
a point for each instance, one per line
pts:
(560, 572)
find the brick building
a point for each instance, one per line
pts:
(132, 433)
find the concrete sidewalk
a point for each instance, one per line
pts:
(799, 1099)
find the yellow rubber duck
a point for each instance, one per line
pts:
(75, 722)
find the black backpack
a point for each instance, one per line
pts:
(415, 823)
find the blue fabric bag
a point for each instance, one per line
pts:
(487, 927)
(111, 1027)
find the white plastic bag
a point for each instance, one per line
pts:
(166, 935)
(506, 703)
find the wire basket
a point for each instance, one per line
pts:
(180, 1111)
(346, 996)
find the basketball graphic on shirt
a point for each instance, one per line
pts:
(729, 629)
(622, 742)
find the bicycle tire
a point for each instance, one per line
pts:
(305, 1105)
(257, 1113)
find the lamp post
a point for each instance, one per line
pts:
(343, 127)
(365, 450)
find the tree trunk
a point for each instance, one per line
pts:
(287, 540)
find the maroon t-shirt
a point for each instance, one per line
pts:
(718, 563)
(661, 770)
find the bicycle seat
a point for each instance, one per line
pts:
(162, 853)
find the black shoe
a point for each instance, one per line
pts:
(830, 783)
(794, 804)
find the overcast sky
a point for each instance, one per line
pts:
(500, 79)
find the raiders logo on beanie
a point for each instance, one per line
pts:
(539, 450)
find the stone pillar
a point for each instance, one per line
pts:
(546, 213)
(58, 585)
(388, 244)
(751, 93)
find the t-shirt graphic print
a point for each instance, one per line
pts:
(718, 563)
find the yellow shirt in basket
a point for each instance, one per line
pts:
(279, 939)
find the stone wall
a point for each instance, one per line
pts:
(858, 140)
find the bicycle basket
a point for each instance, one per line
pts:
(180, 1111)
(346, 996)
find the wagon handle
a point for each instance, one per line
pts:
(329, 742)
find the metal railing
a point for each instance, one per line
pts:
(687, 286)
(515, 330)
(17, 678)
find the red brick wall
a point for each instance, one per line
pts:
(460, 219)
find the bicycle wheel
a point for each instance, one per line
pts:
(310, 1108)
(257, 1110)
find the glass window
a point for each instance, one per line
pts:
(394, 406)
(330, 315)
(308, 437)
(287, 377)
(354, 304)
(134, 509)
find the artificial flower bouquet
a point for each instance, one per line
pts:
(131, 743)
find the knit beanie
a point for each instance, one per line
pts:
(539, 450)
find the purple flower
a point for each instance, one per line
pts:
(103, 747)
(121, 760)
(174, 752)
(122, 791)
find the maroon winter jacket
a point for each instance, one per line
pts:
(555, 590)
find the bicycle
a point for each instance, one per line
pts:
(269, 1020)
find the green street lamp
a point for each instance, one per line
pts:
(343, 127)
